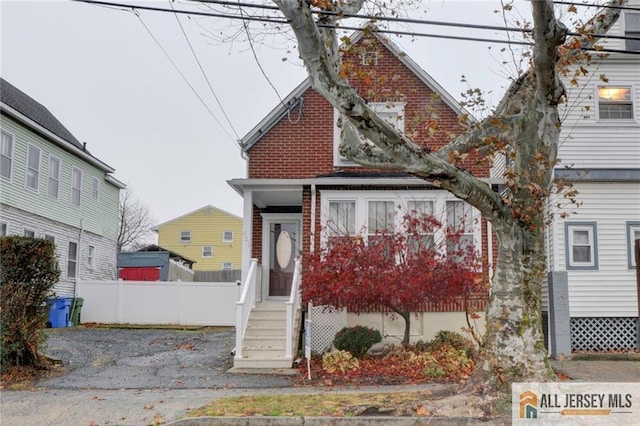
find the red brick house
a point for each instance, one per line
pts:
(299, 189)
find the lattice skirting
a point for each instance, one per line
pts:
(604, 334)
(326, 322)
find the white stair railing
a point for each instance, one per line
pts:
(246, 303)
(293, 304)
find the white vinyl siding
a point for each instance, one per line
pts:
(32, 175)
(609, 291)
(53, 183)
(6, 155)
(588, 142)
(76, 187)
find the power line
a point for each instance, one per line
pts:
(396, 32)
(603, 6)
(204, 74)
(181, 74)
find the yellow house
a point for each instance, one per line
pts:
(210, 236)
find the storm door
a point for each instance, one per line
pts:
(281, 246)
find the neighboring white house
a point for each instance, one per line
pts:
(52, 187)
(593, 299)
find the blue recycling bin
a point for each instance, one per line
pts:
(59, 312)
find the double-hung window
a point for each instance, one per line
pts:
(76, 187)
(633, 236)
(615, 103)
(72, 259)
(185, 237)
(91, 257)
(380, 221)
(29, 233)
(459, 223)
(391, 112)
(632, 29)
(227, 237)
(4, 229)
(581, 245)
(95, 189)
(6, 155)
(32, 178)
(422, 237)
(226, 266)
(207, 251)
(53, 183)
(342, 218)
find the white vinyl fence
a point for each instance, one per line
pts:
(158, 302)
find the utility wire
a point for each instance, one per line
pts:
(604, 6)
(181, 74)
(204, 74)
(397, 32)
(255, 56)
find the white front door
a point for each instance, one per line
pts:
(281, 244)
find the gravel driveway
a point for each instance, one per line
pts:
(100, 358)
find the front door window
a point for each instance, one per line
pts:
(283, 249)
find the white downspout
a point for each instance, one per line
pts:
(312, 233)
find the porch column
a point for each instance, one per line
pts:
(559, 315)
(247, 232)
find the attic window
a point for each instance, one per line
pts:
(632, 29)
(369, 58)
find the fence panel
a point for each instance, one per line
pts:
(158, 302)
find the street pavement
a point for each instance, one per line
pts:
(143, 377)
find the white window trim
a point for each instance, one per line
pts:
(225, 264)
(224, 239)
(591, 227)
(57, 178)
(74, 260)
(203, 250)
(91, 257)
(631, 227)
(13, 146)
(26, 229)
(616, 121)
(50, 235)
(27, 168)
(184, 241)
(74, 169)
(400, 198)
(95, 189)
(393, 107)
(6, 224)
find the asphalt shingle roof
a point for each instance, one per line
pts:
(27, 106)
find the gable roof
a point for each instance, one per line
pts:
(37, 112)
(31, 113)
(208, 206)
(294, 98)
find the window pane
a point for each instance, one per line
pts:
(582, 254)
(3, 229)
(581, 238)
(95, 187)
(54, 177)
(6, 151)
(459, 216)
(76, 187)
(72, 260)
(342, 217)
(207, 251)
(227, 236)
(29, 233)
(420, 208)
(381, 215)
(185, 236)
(33, 167)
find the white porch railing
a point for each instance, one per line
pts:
(293, 304)
(246, 303)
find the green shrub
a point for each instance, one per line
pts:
(356, 340)
(338, 361)
(456, 340)
(28, 271)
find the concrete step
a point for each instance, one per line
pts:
(275, 362)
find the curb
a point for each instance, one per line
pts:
(325, 421)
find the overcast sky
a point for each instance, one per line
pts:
(101, 74)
